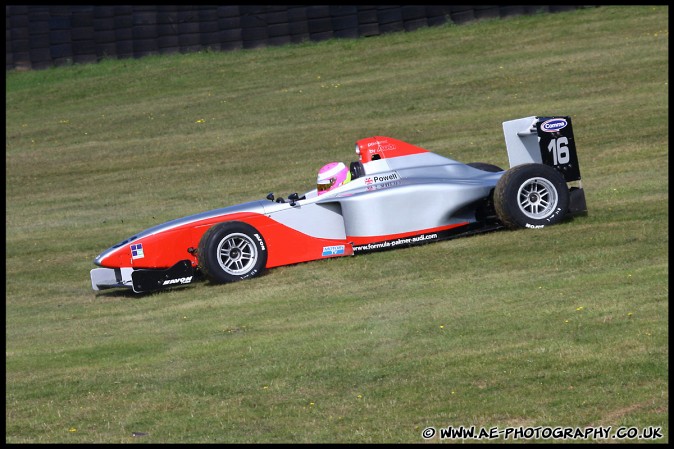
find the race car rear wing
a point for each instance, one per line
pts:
(544, 140)
(549, 141)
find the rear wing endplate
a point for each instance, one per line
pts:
(543, 140)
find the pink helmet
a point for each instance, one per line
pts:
(331, 176)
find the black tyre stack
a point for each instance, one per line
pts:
(124, 31)
(278, 26)
(298, 24)
(188, 29)
(60, 35)
(82, 34)
(145, 32)
(38, 30)
(104, 32)
(229, 23)
(40, 36)
(254, 31)
(344, 20)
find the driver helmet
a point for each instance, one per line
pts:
(331, 176)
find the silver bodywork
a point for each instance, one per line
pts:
(407, 194)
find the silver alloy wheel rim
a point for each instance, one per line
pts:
(237, 254)
(537, 198)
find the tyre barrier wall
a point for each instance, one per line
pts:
(38, 37)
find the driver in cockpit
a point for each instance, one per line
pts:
(331, 176)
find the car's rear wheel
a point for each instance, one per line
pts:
(231, 251)
(531, 196)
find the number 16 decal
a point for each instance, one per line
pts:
(560, 150)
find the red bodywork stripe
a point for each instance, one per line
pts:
(285, 246)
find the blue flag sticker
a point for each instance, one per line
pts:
(137, 251)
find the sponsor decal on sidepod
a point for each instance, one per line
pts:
(333, 250)
(381, 178)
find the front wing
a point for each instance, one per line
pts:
(143, 280)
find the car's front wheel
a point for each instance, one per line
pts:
(531, 196)
(231, 251)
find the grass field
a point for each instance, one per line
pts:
(564, 327)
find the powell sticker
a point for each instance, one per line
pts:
(137, 251)
(384, 177)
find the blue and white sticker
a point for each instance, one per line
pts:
(137, 251)
(333, 250)
(553, 125)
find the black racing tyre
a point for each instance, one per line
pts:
(231, 251)
(485, 167)
(357, 169)
(531, 196)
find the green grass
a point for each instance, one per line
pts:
(563, 327)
